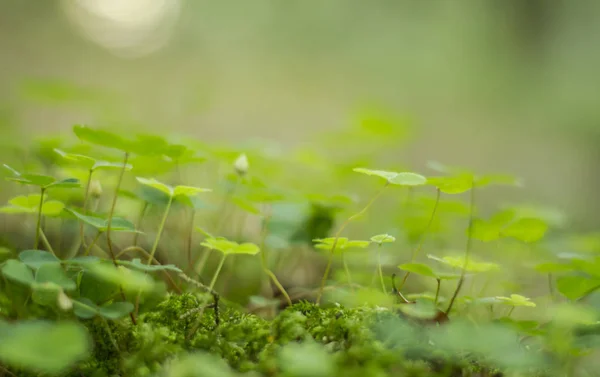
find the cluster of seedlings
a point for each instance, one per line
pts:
(108, 305)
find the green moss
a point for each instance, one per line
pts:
(348, 341)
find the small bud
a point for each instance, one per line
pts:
(64, 302)
(241, 164)
(95, 189)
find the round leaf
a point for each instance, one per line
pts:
(387, 175)
(383, 238)
(574, 287)
(526, 229)
(101, 137)
(138, 265)
(43, 347)
(156, 185)
(408, 179)
(54, 273)
(452, 185)
(418, 268)
(116, 310)
(516, 300)
(188, 190)
(17, 271)
(37, 258)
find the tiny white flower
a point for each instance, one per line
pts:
(64, 302)
(241, 164)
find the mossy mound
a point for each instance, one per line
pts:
(304, 340)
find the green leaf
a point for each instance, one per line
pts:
(188, 190)
(408, 179)
(516, 300)
(148, 145)
(82, 160)
(418, 268)
(484, 231)
(39, 180)
(491, 230)
(65, 183)
(101, 137)
(138, 265)
(17, 271)
(85, 308)
(54, 273)
(166, 189)
(83, 259)
(30, 204)
(246, 248)
(526, 230)
(342, 243)
(383, 238)
(46, 293)
(118, 224)
(90, 163)
(130, 280)
(37, 258)
(116, 310)
(49, 348)
(230, 247)
(401, 179)
(471, 266)
(453, 184)
(204, 232)
(574, 287)
(105, 165)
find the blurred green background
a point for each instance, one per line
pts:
(507, 86)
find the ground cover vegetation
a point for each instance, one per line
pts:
(132, 254)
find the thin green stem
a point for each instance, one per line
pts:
(437, 291)
(109, 225)
(347, 271)
(136, 236)
(217, 272)
(38, 226)
(467, 248)
(220, 223)
(379, 269)
(161, 227)
(85, 200)
(190, 238)
(112, 209)
(91, 245)
(510, 311)
(337, 236)
(46, 242)
(423, 235)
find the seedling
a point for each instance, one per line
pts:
(44, 183)
(342, 244)
(380, 239)
(406, 179)
(227, 248)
